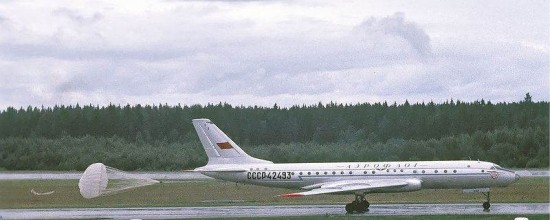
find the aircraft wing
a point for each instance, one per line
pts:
(219, 169)
(350, 186)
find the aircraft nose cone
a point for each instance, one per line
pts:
(517, 177)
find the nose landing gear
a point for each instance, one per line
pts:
(360, 205)
(486, 192)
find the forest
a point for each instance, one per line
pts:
(161, 137)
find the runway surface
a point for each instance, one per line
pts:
(270, 211)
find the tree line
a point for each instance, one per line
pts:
(161, 137)
(508, 147)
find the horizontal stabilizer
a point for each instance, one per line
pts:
(202, 169)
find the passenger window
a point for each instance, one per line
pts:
(316, 173)
(325, 172)
(423, 171)
(333, 172)
(365, 172)
(435, 171)
(414, 171)
(301, 173)
(373, 172)
(342, 172)
(445, 171)
(454, 171)
(308, 173)
(350, 172)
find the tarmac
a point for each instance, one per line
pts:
(518, 209)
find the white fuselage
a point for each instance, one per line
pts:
(419, 174)
(227, 161)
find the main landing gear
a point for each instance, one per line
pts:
(487, 205)
(360, 205)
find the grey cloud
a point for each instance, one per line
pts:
(234, 47)
(396, 25)
(289, 63)
(494, 71)
(123, 79)
(11, 50)
(375, 42)
(424, 85)
(274, 84)
(17, 97)
(5, 24)
(77, 16)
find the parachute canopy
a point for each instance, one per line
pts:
(100, 180)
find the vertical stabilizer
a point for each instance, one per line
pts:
(219, 148)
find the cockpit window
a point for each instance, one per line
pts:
(500, 168)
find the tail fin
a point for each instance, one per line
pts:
(219, 148)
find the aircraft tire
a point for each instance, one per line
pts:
(362, 207)
(350, 208)
(486, 205)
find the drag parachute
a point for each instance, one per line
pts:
(100, 180)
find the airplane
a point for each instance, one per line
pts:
(227, 161)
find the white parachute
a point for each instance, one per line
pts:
(100, 180)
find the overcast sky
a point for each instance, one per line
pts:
(266, 52)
